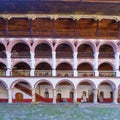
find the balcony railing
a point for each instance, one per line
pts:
(63, 33)
(64, 54)
(23, 54)
(85, 73)
(64, 73)
(2, 73)
(85, 55)
(43, 54)
(43, 73)
(107, 74)
(22, 73)
(106, 55)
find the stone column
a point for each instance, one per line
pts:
(75, 95)
(33, 95)
(53, 63)
(115, 96)
(54, 96)
(32, 72)
(96, 64)
(117, 64)
(95, 96)
(8, 72)
(75, 64)
(9, 95)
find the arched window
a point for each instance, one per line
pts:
(46, 94)
(71, 94)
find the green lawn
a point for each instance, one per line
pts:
(57, 112)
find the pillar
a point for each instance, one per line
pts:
(31, 31)
(8, 72)
(9, 95)
(32, 72)
(54, 96)
(115, 96)
(75, 95)
(53, 30)
(75, 31)
(33, 95)
(117, 64)
(96, 64)
(75, 64)
(53, 63)
(6, 32)
(95, 96)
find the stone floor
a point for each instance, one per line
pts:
(60, 111)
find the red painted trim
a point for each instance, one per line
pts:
(3, 100)
(107, 100)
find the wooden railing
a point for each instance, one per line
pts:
(106, 73)
(64, 54)
(85, 73)
(85, 55)
(64, 73)
(43, 73)
(63, 33)
(21, 73)
(106, 55)
(19, 54)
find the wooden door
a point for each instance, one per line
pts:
(19, 97)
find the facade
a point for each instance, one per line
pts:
(48, 55)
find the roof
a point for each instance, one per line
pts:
(61, 7)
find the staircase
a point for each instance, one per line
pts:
(29, 92)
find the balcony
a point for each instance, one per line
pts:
(2, 73)
(85, 73)
(43, 73)
(85, 55)
(63, 33)
(19, 54)
(64, 73)
(21, 73)
(107, 74)
(106, 55)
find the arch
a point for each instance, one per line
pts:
(64, 42)
(12, 44)
(64, 50)
(18, 65)
(37, 42)
(44, 63)
(112, 44)
(20, 80)
(108, 66)
(64, 69)
(40, 81)
(112, 84)
(91, 44)
(43, 50)
(87, 66)
(88, 81)
(67, 81)
(5, 84)
(63, 65)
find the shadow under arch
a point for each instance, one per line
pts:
(41, 81)
(20, 80)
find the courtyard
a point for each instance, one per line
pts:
(60, 111)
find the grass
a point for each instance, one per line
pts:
(57, 112)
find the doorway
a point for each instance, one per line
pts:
(19, 97)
